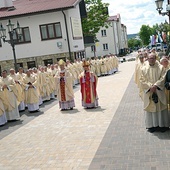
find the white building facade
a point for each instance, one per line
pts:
(47, 36)
(110, 40)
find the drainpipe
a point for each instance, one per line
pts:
(115, 43)
(68, 41)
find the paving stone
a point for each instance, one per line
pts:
(128, 143)
(110, 137)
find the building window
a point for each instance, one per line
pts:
(25, 38)
(48, 61)
(0, 43)
(93, 48)
(105, 47)
(103, 32)
(19, 65)
(50, 31)
(31, 64)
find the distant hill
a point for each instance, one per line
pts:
(129, 36)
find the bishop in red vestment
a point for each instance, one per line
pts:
(88, 84)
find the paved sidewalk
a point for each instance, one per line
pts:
(110, 137)
(65, 140)
(25, 118)
(127, 145)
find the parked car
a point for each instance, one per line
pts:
(149, 47)
(159, 47)
(165, 46)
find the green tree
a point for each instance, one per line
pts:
(137, 43)
(165, 27)
(97, 17)
(132, 43)
(145, 33)
(155, 29)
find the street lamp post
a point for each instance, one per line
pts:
(159, 5)
(11, 41)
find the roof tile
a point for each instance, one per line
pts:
(33, 6)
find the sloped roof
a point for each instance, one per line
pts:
(24, 7)
(123, 25)
(114, 18)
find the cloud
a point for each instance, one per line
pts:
(135, 13)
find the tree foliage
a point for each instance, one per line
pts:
(155, 29)
(164, 27)
(134, 43)
(145, 33)
(97, 17)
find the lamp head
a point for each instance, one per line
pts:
(2, 32)
(159, 4)
(10, 26)
(18, 29)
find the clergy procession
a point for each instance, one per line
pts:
(152, 77)
(28, 89)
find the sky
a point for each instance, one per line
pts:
(135, 13)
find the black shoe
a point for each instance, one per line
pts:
(34, 111)
(2, 125)
(14, 120)
(71, 108)
(90, 107)
(22, 110)
(163, 129)
(151, 130)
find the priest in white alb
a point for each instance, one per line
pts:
(9, 96)
(3, 118)
(64, 86)
(155, 105)
(31, 92)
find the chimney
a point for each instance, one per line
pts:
(6, 3)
